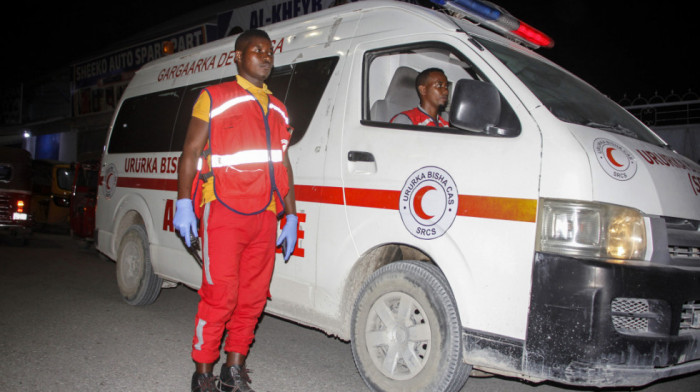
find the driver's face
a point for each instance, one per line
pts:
(435, 90)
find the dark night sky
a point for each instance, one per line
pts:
(617, 46)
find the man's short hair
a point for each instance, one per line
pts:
(244, 39)
(422, 77)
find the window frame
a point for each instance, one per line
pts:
(370, 55)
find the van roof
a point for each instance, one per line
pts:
(436, 16)
(413, 17)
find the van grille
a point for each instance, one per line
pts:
(683, 241)
(5, 208)
(690, 317)
(630, 315)
(684, 251)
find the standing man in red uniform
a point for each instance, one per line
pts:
(431, 86)
(235, 173)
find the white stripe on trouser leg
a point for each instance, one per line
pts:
(205, 245)
(200, 334)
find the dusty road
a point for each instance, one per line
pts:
(65, 328)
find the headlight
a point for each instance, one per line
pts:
(591, 230)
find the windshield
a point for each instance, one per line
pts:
(568, 98)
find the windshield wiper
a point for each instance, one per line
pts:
(616, 128)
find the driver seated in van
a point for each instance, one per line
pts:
(431, 85)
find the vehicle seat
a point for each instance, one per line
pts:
(401, 95)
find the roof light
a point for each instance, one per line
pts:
(498, 19)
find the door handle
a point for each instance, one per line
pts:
(360, 156)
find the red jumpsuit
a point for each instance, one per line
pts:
(238, 230)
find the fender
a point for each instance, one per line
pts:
(135, 203)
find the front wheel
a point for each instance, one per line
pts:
(135, 278)
(406, 332)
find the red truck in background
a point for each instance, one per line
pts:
(84, 198)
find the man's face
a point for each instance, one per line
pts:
(256, 60)
(434, 92)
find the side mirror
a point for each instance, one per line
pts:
(476, 107)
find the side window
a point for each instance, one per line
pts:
(389, 82)
(300, 86)
(278, 82)
(145, 123)
(184, 115)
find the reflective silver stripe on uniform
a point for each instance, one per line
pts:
(199, 331)
(281, 112)
(243, 157)
(426, 121)
(230, 103)
(205, 244)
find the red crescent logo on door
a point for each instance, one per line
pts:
(110, 180)
(428, 202)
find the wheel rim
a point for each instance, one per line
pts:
(398, 335)
(131, 268)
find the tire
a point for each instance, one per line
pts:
(406, 332)
(137, 282)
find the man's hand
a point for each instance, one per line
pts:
(184, 221)
(288, 236)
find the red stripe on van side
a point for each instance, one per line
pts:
(319, 194)
(522, 210)
(356, 197)
(373, 198)
(157, 184)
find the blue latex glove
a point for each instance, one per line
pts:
(288, 236)
(184, 221)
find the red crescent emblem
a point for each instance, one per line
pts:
(608, 152)
(418, 202)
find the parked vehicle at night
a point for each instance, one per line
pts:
(546, 234)
(15, 193)
(83, 199)
(52, 184)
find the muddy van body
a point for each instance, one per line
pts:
(546, 234)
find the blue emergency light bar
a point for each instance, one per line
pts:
(497, 19)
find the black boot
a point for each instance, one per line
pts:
(234, 379)
(204, 382)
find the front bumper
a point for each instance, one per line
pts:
(601, 324)
(22, 228)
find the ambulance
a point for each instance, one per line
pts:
(546, 235)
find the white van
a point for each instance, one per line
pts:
(546, 235)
